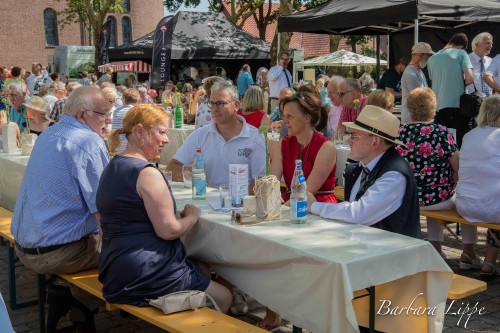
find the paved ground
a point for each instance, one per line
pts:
(26, 320)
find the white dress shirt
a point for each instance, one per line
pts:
(494, 69)
(247, 147)
(476, 71)
(277, 80)
(380, 200)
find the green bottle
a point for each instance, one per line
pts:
(178, 111)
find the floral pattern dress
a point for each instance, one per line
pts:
(428, 148)
(203, 116)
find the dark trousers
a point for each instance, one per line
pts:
(451, 118)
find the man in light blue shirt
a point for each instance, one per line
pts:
(481, 47)
(18, 92)
(56, 222)
(244, 80)
(55, 209)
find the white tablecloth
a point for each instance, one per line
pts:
(12, 168)
(176, 137)
(343, 152)
(308, 273)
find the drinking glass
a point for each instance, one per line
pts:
(168, 175)
(225, 197)
(187, 175)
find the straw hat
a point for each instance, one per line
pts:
(377, 121)
(37, 103)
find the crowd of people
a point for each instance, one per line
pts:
(121, 212)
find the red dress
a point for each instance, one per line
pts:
(254, 118)
(290, 152)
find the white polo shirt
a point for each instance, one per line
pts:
(247, 147)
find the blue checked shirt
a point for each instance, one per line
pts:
(56, 201)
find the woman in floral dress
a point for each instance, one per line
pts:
(433, 156)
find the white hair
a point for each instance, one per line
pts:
(479, 39)
(337, 80)
(18, 86)
(226, 86)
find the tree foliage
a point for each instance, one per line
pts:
(91, 13)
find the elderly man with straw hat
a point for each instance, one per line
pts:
(380, 190)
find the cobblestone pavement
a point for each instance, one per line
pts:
(26, 320)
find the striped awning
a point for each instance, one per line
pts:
(137, 66)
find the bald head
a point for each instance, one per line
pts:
(85, 97)
(285, 92)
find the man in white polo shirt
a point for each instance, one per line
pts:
(227, 140)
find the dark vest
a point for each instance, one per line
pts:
(406, 219)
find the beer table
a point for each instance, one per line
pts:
(308, 273)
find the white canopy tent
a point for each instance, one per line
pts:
(341, 58)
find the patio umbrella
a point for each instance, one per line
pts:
(341, 58)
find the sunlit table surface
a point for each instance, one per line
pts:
(308, 273)
(12, 168)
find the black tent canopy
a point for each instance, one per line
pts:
(199, 36)
(380, 17)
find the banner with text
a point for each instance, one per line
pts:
(162, 51)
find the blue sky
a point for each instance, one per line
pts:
(202, 7)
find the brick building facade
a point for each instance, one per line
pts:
(29, 30)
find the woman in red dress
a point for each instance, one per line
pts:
(253, 108)
(303, 117)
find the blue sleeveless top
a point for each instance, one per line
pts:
(135, 264)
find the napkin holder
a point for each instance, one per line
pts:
(27, 143)
(267, 198)
(9, 138)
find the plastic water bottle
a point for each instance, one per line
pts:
(298, 196)
(199, 177)
(178, 111)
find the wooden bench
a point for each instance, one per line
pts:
(447, 216)
(202, 320)
(463, 286)
(5, 222)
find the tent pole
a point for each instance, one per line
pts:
(278, 51)
(378, 57)
(416, 31)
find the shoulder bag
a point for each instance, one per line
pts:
(470, 104)
(182, 301)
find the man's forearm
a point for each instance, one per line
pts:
(176, 168)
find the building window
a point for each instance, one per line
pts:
(126, 30)
(50, 22)
(126, 6)
(112, 31)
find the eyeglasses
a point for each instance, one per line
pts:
(218, 104)
(108, 114)
(341, 94)
(285, 59)
(355, 136)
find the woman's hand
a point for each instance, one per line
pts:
(190, 210)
